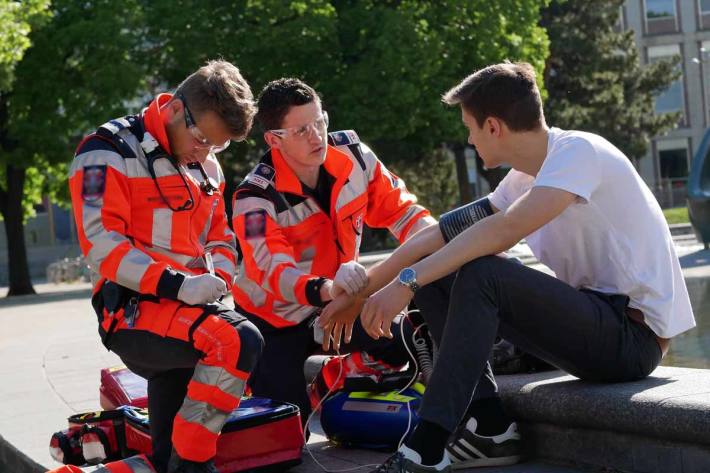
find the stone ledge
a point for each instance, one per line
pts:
(13, 460)
(613, 451)
(673, 404)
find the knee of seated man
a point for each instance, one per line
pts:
(483, 269)
(251, 346)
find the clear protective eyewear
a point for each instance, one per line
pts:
(318, 125)
(200, 138)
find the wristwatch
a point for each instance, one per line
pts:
(408, 277)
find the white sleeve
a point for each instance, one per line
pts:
(573, 166)
(507, 191)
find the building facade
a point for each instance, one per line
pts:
(662, 29)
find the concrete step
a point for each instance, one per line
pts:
(656, 425)
(681, 229)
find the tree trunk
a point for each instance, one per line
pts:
(20, 282)
(462, 174)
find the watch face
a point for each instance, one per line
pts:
(407, 276)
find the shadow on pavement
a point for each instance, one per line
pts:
(46, 297)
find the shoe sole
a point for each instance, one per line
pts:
(483, 462)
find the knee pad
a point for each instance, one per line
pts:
(251, 345)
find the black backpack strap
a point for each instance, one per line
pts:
(350, 139)
(109, 131)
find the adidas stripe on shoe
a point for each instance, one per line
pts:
(469, 450)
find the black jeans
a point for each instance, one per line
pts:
(585, 333)
(279, 372)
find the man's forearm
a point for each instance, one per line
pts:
(423, 243)
(489, 237)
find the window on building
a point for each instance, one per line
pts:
(661, 16)
(673, 163)
(704, 12)
(673, 98)
(673, 171)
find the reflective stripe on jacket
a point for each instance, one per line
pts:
(127, 231)
(288, 242)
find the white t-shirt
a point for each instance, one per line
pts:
(614, 239)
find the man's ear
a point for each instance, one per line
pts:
(493, 126)
(272, 140)
(174, 109)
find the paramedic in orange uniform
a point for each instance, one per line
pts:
(299, 217)
(147, 192)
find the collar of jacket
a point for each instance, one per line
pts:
(153, 121)
(336, 163)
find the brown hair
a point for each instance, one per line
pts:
(277, 98)
(218, 86)
(506, 91)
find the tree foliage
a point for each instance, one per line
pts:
(595, 79)
(381, 67)
(17, 19)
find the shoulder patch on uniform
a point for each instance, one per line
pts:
(262, 175)
(344, 137)
(255, 224)
(94, 182)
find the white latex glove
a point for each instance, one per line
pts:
(201, 289)
(351, 278)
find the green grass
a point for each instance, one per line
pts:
(676, 215)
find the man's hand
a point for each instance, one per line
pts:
(382, 307)
(339, 316)
(350, 278)
(202, 289)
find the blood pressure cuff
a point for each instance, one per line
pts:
(456, 221)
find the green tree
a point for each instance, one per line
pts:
(17, 20)
(595, 80)
(266, 39)
(381, 66)
(82, 69)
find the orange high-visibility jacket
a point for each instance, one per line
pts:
(289, 243)
(126, 230)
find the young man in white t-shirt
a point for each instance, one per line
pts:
(608, 316)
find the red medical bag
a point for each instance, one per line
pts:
(121, 387)
(260, 432)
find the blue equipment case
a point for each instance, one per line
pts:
(369, 419)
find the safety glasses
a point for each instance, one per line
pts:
(201, 140)
(319, 125)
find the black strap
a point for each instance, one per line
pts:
(209, 309)
(357, 152)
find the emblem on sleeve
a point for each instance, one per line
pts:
(255, 224)
(94, 182)
(345, 137)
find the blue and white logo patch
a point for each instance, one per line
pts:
(345, 137)
(262, 176)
